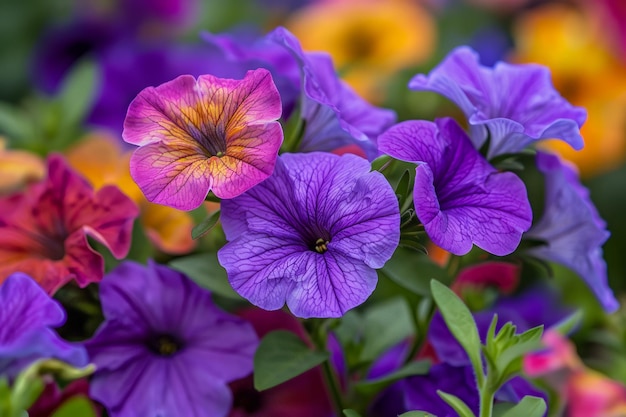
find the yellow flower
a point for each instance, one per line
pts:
(100, 159)
(368, 39)
(572, 44)
(18, 168)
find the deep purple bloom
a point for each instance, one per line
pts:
(459, 197)
(335, 116)
(511, 105)
(164, 348)
(311, 235)
(571, 228)
(27, 318)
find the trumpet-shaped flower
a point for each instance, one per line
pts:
(205, 134)
(27, 318)
(44, 230)
(459, 197)
(164, 348)
(510, 106)
(571, 228)
(311, 235)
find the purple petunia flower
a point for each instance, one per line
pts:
(27, 318)
(459, 197)
(165, 349)
(311, 235)
(509, 105)
(571, 228)
(335, 115)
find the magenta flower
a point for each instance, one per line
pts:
(509, 105)
(27, 318)
(164, 348)
(209, 134)
(311, 235)
(459, 197)
(43, 231)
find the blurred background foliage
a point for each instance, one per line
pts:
(69, 69)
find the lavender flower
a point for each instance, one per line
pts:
(509, 105)
(27, 318)
(459, 197)
(572, 229)
(311, 235)
(165, 349)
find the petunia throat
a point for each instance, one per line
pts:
(164, 344)
(321, 245)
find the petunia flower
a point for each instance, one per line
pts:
(205, 134)
(164, 348)
(27, 319)
(459, 197)
(44, 229)
(335, 115)
(511, 106)
(311, 235)
(571, 228)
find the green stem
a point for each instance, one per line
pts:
(421, 332)
(319, 335)
(486, 402)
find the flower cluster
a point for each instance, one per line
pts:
(346, 257)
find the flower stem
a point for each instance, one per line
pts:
(319, 335)
(486, 402)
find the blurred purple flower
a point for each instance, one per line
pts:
(164, 347)
(511, 106)
(459, 197)
(571, 228)
(27, 318)
(311, 235)
(335, 116)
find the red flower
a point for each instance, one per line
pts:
(43, 230)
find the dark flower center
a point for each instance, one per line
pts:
(164, 344)
(320, 245)
(248, 399)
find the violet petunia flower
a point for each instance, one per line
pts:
(459, 197)
(311, 235)
(335, 115)
(571, 228)
(164, 348)
(27, 319)
(44, 229)
(512, 106)
(209, 134)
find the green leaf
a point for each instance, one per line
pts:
(205, 225)
(281, 356)
(385, 324)
(455, 402)
(351, 413)
(78, 92)
(460, 322)
(417, 414)
(568, 324)
(376, 385)
(413, 271)
(75, 407)
(205, 270)
(528, 407)
(14, 124)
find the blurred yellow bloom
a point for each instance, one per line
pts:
(368, 39)
(101, 160)
(585, 70)
(18, 168)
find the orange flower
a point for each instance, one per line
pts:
(367, 39)
(101, 160)
(18, 168)
(584, 69)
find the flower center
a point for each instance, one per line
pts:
(164, 345)
(321, 245)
